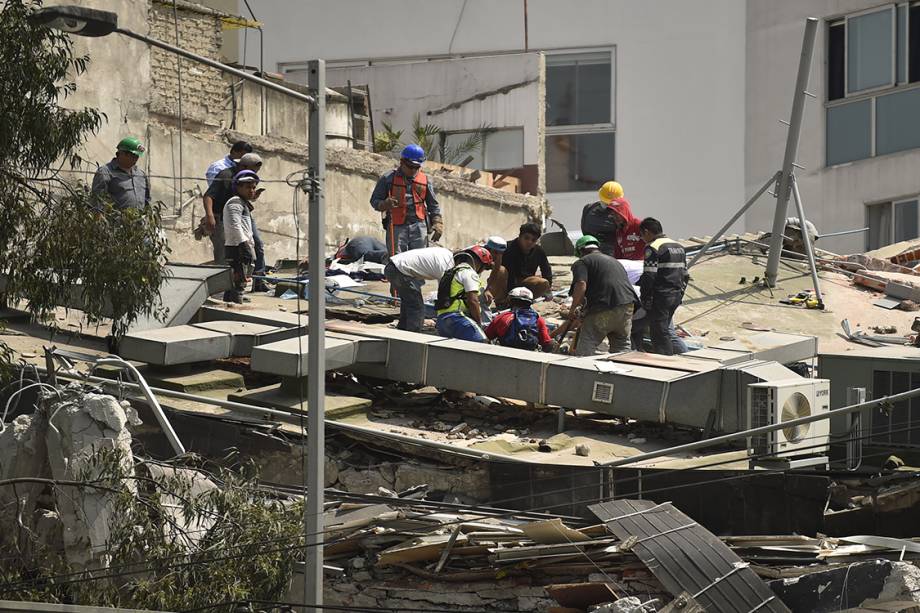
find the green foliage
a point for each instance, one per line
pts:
(433, 140)
(173, 547)
(49, 237)
(388, 139)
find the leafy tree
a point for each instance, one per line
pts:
(53, 236)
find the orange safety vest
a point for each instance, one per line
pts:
(419, 193)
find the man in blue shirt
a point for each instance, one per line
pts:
(411, 209)
(237, 150)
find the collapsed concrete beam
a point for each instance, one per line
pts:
(288, 358)
(175, 345)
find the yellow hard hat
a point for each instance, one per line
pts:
(610, 191)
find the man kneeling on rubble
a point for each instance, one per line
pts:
(407, 272)
(520, 327)
(458, 308)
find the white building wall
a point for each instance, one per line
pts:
(835, 197)
(474, 85)
(679, 79)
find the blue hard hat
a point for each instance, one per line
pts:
(414, 154)
(245, 176)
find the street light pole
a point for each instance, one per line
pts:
(315, 459)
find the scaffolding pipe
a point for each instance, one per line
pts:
(792, 146)
(806, 238)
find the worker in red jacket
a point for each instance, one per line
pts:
(520, 327)
(629, 243)
(612, 222)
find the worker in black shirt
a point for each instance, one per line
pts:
(520, 262)
(662, 284)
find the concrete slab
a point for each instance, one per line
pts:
(288, 358)
(283, 319)
(195, 382)
(777, 346)
(245, 335)
(175, 345)
(274, 397)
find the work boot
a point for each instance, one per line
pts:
(233, 296)
(258, 285)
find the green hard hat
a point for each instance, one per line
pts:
(131, 145)
(584, 241)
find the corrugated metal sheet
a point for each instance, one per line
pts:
(687, 558)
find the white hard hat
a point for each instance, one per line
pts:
(496, 243)
(521, 293)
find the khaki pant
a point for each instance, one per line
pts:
(613, 324)
(498, 285)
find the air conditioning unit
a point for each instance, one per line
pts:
(775, 402)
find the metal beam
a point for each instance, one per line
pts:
(792, 146)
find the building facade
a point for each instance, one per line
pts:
(649, 93)
(860, 145)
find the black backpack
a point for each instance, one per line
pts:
(444, 298)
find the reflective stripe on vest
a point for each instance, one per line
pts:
(419, 193)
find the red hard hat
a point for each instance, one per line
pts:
(482, 254)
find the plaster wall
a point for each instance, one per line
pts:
(471, 212)
(500, 91)
(834, 197)
(680, 94)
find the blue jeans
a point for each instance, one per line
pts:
(413, 235)
(458, 325)
(411, 303)
(259, 264)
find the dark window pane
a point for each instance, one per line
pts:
(878, 218)
(836, 36)
(905, 221)
(579, 162)
(913, 47)
(560, 95)
(849, 132)
(901, 42)
(869, 57)
(900, 382)
(593, 93)
(896, 125)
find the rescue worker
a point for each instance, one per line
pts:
(662, 284)
(237, 150)
(521, 260)
(239, 245)
(407, 273)
(457, 306)
(520, 327)
(602, 282)
(121, 179)
(406, 197)
(599, 221)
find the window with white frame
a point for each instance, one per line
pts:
(580, 121)
(873, 83)
(892, 222)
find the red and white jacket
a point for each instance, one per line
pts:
(629, 243)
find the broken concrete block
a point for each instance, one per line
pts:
(363, 481)
(76, 437)
(176, 345)
(22, 454)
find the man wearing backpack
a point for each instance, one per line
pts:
(521, 327)
(407, 273)
(458, 308)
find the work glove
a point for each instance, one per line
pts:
(436, 228)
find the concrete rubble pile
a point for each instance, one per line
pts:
(412, 554)
(63, 440)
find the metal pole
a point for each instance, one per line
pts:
(726, 438)
(806, 238)
(734, 218)
(218, 65)
(316, 343)
(792, 146)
